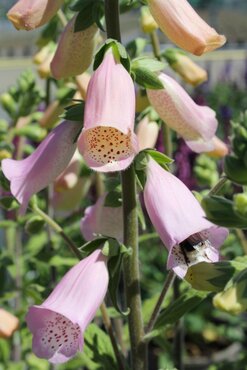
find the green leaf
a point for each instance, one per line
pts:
(136, 47)
(144, 77)
(4, 182)
(90, 12)
(235, 170)
(153, 65)
(171, 314)
(98, 348)
(221, 212)
(74, 112)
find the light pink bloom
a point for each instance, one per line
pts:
(107, 141)
(196, 124)
(59, 322)
(147, 133)
(75, 50)
(101, 220)
(181, 24)
(34, 173)
(180, 221)
(30, 14)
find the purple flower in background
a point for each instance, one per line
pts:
(59, 322)
(180, 221)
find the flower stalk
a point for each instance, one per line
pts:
(131, 264)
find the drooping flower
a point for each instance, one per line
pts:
(180, 221)
(101, 220)
(196, 124)
(30, 14)
(107, 141)
(147, 133)
(34, 173)
(75, 50)
(182, 25)
(59, 322)
(8, 323)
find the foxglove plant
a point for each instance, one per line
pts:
(59, 322)
(181, 24)
(180, 221)
(196, 124)
(32, 174)
(108, 142)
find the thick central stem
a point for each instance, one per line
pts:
(131, 263)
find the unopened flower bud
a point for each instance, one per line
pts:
(220, 148)
(148, 24)
(30, 14)
(240, 204)
(8, 324)
(234, 298)
(186, 68)
(147, 133)
(44, 69)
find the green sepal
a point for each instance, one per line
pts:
(90, 12)
(151, 64)
(235, 170)
(115, 268)
(34, 225)
(170, 55)
(146, 78)
(136, 47)
(119, 52)
(74, 112)
(171, 314)
(92, 245)
(221, 212)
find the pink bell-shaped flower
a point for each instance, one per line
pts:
(59, 322)
(102, 220)
(108, 142)
(180, 221)
(31, 14)
(32, 174)
(196, 124)
(181, 24)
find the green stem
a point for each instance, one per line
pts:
(62, 17)
(242, 239)
(131, 263)
(218, 186)
(167, 284)
(178, 342)
(155, 44)
(132, 273)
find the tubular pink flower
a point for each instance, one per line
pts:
(181, 24)
(107, 141)
(180, 221)
(102, 220)
(75, 50)
(196, 124)
(30, 14)
(59, 322)
(147, 133)
(34, 173)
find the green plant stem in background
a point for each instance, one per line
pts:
(62, 17)
(131, 263)
(155, 44)
(105, 318)
(178, 341)
(242, 239)
(167, 284)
